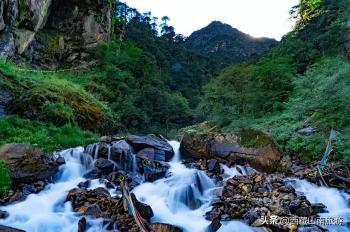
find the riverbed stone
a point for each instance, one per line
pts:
(162, 227)
(213, 166)
(9, 229)
(3, 214)
(202, 142)
(106, 166)
(60, 161)
(82, 224)
(163, 151)
(27, 164)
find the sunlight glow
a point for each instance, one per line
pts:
(259, 18)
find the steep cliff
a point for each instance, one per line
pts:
(52, 33)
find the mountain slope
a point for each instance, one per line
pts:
(228, 44)
(299, 91)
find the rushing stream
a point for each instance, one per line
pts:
(181, 199)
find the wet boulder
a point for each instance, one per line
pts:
(248, 147)
(161, 227)
(145, 210)
(251, 216)
(27, 164)
(120, 151)
(155, 171)
(9, 229)
(319, 208)
(94, 211)
(160, 148)
(213, 166)
(3, 214)
(98, 150)
(60, 161)
(82, 224)
(106, 166)
(95, 173)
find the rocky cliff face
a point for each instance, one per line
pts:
(48, 32)
(228, 44)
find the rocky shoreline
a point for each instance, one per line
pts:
(249, 196)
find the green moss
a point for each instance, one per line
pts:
(53, 45)
(254, 138)
(52, 39)
(5, 179)
(203, 128)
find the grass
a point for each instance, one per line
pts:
(42, 135)
(5, 179)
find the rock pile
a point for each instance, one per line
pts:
(259, 196)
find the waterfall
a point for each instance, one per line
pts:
(336, 201)
(97, 146)
(47, 210)
(109, 152)
(133, 163)
(182, 198)
(176, 148)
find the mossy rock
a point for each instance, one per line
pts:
(202, 128)
(254, 138)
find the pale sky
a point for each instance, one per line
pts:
(259, 18)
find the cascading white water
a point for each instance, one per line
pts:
(183, 198)
(176, 148)
(168, 198)
(48, 211)
(337, 202)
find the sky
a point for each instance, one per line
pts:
(259, 18)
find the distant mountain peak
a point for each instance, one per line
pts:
(228, 44)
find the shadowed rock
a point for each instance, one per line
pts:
(27, 164)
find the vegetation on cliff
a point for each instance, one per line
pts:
(301, 83)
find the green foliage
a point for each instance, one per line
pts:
(137, 95)
(230, 95)
(320, 99)
(5, 178)
(302, 82)
(248, 90)
(58, 113)
(45, 136)
(59, 101)
(320, 30)
(182, 70)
